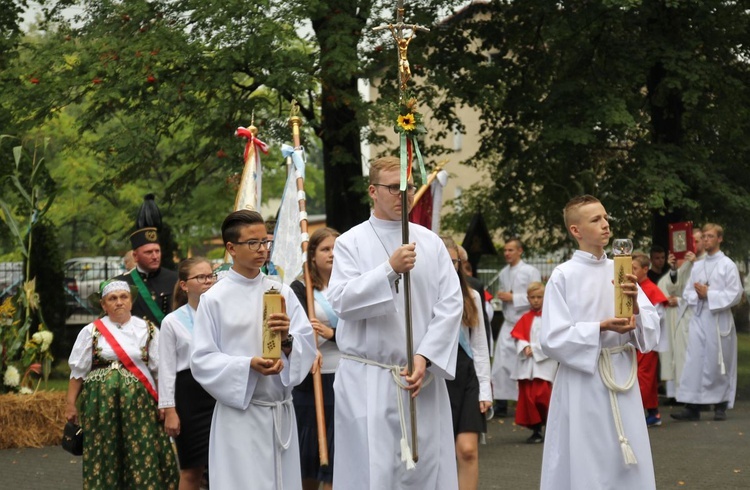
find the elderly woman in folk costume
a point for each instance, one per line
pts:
(113, 364)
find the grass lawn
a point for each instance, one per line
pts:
(55, 385)
(743, 366)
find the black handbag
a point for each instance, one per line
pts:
(72, 439)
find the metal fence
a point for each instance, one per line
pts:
(490, 277)
(11, 276)
(82, 278)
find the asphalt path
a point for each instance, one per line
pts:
(687, 455)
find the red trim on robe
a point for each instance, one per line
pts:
(522, 329)
(653, 293)
(648, 364)
(533, 402)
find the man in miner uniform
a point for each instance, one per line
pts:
(153, 282)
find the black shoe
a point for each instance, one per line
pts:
(720, 415)
(500, 408)
(536, 438)
(686, 415)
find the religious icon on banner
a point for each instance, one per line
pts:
(681, 239)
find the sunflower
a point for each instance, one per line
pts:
(407, 122)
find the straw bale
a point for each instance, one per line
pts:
(32, 420)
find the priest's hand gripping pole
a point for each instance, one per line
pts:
(404, 72)
(295, 122)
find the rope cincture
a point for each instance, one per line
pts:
(406, 455)
(722, 366)
(276, 409)
(607, 374)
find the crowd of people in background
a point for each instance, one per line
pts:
(180, 356)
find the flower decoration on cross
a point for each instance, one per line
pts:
(408, 119)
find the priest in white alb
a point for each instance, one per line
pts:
(372, 423)
(515, 278)
(710, 372)
(596, 432)
(253, 442)
(678, 315)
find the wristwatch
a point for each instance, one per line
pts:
(287, 342)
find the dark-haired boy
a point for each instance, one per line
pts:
(253, 438)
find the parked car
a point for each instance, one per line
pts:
(72, 299)
(90, 272)
(11, 275)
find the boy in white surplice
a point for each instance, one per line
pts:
(253, 442)
(596, 434)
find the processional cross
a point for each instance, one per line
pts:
(404, 73)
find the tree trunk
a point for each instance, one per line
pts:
(339, 126)
(342, 157)
(666, 108)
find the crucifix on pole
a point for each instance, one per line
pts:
(408, 145)
(402, 42)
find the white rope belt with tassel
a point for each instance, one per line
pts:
(608, 377)
(277, 408)
(395, 370)
(722, 366)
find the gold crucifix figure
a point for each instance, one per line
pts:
(402, 42)
(404, 72)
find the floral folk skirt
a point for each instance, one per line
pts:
(124, 445)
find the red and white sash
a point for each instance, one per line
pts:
(140, 370)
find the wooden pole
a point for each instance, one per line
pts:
(295, 122)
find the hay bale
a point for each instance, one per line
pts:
(32, 420)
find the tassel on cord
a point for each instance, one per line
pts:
(722, 367)
(608, 378)
(406, 454)
(627, 451)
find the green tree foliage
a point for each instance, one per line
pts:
(153, 91)
(145, 97)
(642, 103)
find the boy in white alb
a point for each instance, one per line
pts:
(253, 442)
(596, 434)
(534, 371)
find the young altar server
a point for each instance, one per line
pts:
(648, 362)
(534, 371)
(596, 434)
(366, 291)
(253, 442)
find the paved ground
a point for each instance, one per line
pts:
(695, 455)
(699, 455)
